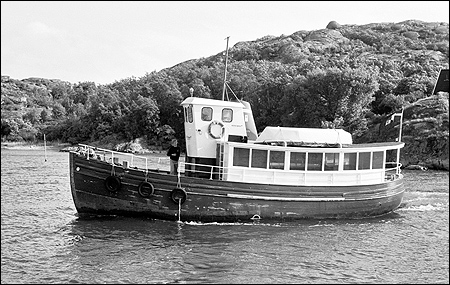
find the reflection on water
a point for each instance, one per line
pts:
(44, 241)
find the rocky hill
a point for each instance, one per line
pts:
(404, 58)
(425, 132)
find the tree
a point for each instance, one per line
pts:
(45, 115)
(273, 80)
(165, 91)
(82, 92)
(339, 97)
(6, 128)
(58, 111)
(142, 118)
(33, 116)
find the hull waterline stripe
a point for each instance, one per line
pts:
(318, 199)
(283, 199)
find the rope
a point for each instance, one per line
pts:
(179, 179)
(112, 164)
(179, 210)
(231, 92)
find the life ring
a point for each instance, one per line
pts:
(178, 194)
(112, 183)
(222, 129)
(146, 189)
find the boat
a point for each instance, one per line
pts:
(231, 173)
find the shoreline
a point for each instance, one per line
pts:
(21, 145)
(33, 146)
(63, 146)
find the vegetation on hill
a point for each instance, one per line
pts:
(344, 76)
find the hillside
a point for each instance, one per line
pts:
(377, 69)
(425, 131)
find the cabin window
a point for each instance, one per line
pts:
(331, 161)
(241, 156)
(207, 113)
(377, 159)
(276, 160)
(315, 161)
(189, 114)
(297, 161)
(364, 160)
(234, 138)
(259, 158)
(349, 161)
(227, 115)
(391, 158)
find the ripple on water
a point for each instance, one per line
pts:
(43, 240)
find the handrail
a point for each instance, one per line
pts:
(113, 154)
(211, 170)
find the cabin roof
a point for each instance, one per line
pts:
(211, 102)
(305, 135)
(375, 144)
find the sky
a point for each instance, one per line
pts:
(106, 41)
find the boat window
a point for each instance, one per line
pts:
(377, 159)
(234, 138)
(391, 158)
(350, 161)
(315, 161)
(207, 113)
(259, 158)
(331, 161)
(276, 160)
(364, 160)
(227, 115)
(190, 117)
(297, 161)
(241, 157)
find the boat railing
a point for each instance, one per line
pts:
(391, 173)
(205, 170)
(392, 170)
(128, 160)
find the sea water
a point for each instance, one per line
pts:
(44, 241)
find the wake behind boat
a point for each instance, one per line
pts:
(233, 174)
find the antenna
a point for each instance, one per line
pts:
(225, 72)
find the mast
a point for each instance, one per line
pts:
(225, 72)
(400, 127)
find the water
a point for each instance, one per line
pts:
(43, 241)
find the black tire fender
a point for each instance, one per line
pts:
(146, 189)
(113, 183)
(178, 194)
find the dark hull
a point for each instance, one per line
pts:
(221, 201)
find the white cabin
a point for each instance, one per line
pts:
(209, 121)
(221, 143)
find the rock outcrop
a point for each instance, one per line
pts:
(425, 132)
